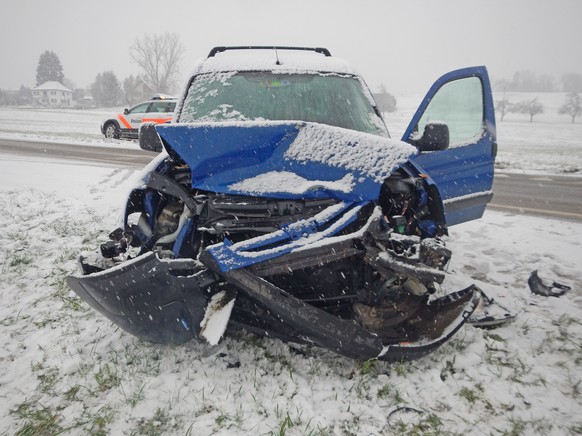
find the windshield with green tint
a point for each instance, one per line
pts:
(336, 100)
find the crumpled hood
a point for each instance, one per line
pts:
(289, 159)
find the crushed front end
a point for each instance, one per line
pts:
(339, 251)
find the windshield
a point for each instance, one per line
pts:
(336, 100)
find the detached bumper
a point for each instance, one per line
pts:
(165, 301)
(155, 299)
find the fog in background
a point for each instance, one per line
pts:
(403, 44)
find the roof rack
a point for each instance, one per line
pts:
(321, 50)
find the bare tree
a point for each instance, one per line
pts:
(572, 107)
(529, 107)
(503, 107)
(159, 57)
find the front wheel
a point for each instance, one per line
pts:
(111, 131)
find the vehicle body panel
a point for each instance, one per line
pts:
(464, 171)
(285, 159)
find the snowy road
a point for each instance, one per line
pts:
(538, 195)
(110, 156)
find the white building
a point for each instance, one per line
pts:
(52, 94)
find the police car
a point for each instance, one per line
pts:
(160, 109)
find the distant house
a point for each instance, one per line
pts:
(52, 94)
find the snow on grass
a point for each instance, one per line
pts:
(65, 368)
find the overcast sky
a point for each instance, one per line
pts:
(404, 44)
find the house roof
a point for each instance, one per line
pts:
(52, 86)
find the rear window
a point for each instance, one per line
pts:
(332, 99)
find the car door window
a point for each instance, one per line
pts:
(157, 107)
(459, 105)
(139, 109)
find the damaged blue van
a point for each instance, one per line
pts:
(280, 205)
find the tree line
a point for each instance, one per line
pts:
(572, 107)
(527, 81)
(158, 57)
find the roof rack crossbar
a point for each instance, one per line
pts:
(215, 50)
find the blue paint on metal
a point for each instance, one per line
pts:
(460, 171)
(276, 244)
(183, 235)
(223, 155)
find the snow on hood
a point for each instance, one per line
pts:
(285, 159)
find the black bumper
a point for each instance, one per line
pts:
(160, 301)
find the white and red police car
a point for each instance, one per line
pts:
(160, 109)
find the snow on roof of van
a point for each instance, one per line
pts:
(266, 60)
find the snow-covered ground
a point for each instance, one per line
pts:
(63, 367)
(551, 144)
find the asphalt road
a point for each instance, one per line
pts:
(109, 156)
(538, 195)
(541, 195)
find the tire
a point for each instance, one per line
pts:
(111, 131)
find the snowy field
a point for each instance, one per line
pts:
(66, 369)
(551, 144)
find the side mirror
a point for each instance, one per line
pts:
(434, 138)
(125, 111)
(149, 139)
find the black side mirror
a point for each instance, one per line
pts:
(435, 137)
(149, 139)
(125, 111)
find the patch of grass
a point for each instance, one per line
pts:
(384, 391)
(11, 320)
(107, 378)
(430, 424)
(458, 344)
(468, 394)
(66, 227)
(38, 420)
(494, 337)
(361, 386)
(18, 261)
(47, 377)
(402, 368)
(280, 362)
(286, 424)
(97, 424)
(368, 366)
(448, 369)
(71, 393)
(135, 397)
(397, 397)
(58, 281)
(517, 427)
(158, 425)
